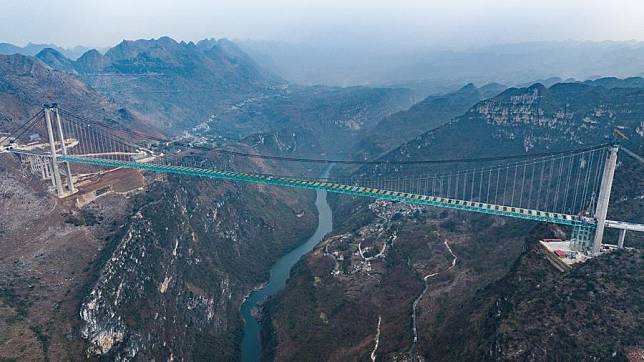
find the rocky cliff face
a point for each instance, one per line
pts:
(534, 119)
(193, 249)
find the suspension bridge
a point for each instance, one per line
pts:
(570, 187)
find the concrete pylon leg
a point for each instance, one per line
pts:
(622, 236)
(54, 163)
(68, 170)
(50, 174)
(604, 197)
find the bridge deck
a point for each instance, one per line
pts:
(515, 212)
(624, 225)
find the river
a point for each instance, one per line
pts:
(251, 343)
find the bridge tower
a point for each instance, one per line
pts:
(604, 197)
(55, 171)
(52, 146)
(68, 170)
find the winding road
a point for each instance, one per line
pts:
(417, 300)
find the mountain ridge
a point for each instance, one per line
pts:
(176, 83)
(26, 83)
(430, 113)
(32, 49)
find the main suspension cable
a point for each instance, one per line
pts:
(332, 161)
(29, 124)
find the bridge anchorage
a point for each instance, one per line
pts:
(570, 187)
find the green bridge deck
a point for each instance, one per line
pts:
(508, 211)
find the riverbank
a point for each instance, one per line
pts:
(251, 342)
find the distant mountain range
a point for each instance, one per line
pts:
(512, 64)
(215, 89)
(178, 84)
(423, 70)
(436, 111)
(33, 49)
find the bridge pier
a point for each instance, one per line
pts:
(604, 197)
(39, 166)
(622, 236)
(42, 166)
(581, 236)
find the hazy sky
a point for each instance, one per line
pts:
(427, 23)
